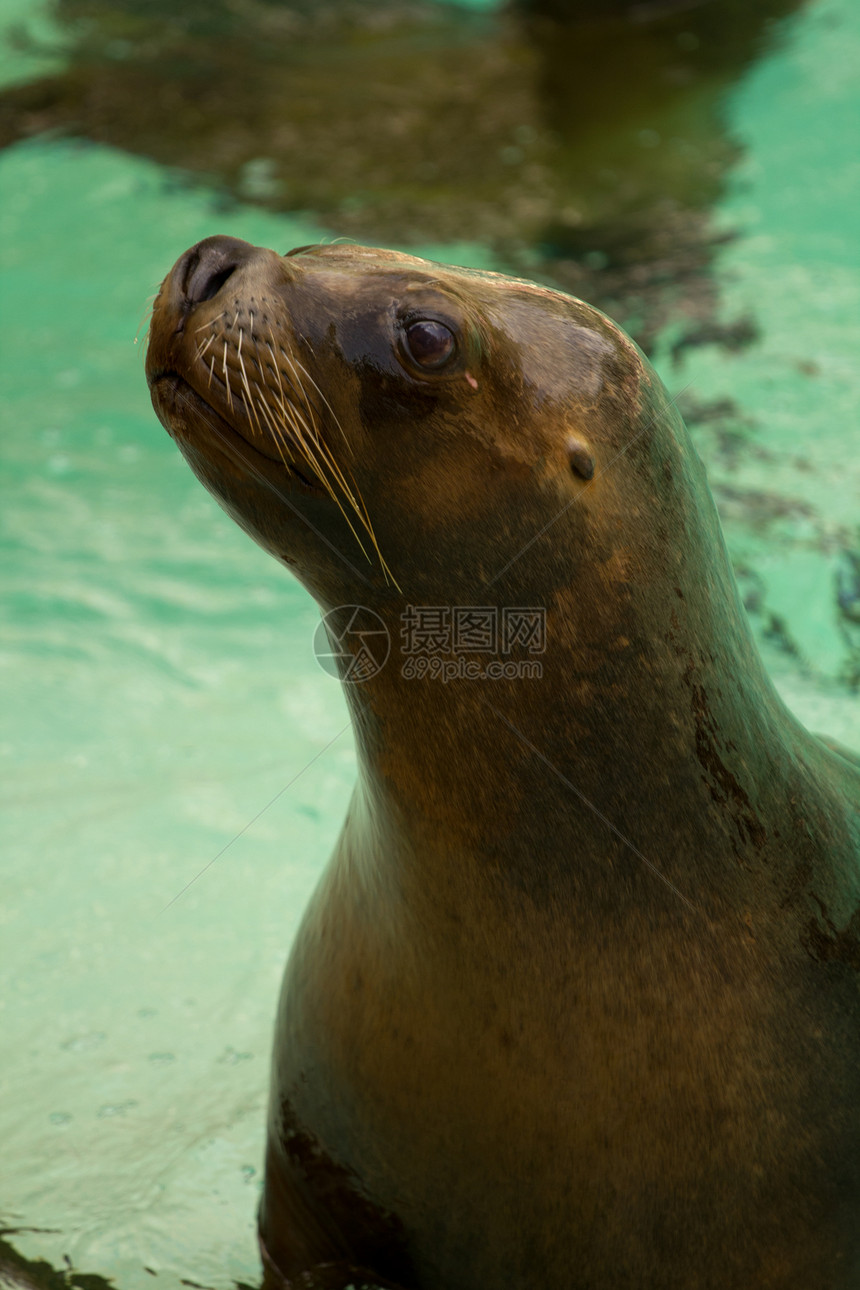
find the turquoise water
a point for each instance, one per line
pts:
(162, 701)
(795, 269)
(161, 691)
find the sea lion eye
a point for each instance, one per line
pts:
(430, 343)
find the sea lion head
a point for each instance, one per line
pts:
(384, 424)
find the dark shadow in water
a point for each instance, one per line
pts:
(582, 142)
(20, 1273)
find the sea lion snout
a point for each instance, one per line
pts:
(205, 268)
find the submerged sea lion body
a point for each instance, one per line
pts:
(575, 1003)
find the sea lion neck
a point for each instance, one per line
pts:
(617, 751)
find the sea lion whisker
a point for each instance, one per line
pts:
(312, 430)
(245, 382)
(300, 417)
(227, 379)
(145, 317)
(281, 440)
(319, 468)
(275, 368)
(304, 401)
(357, 503)
(299, 390)
(334, 415)
(316, 456)
(315, 451)
(292, 415)
(210, 322)
(346, 490)
(211, 372)
(295, 380)
(287, 432)
(283, 427)
(355, 499)
(279, 493)
(145, 344)
(280, 392)
(292, 423)
(358, 506)
(203, 348)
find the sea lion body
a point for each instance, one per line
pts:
(575, 1003)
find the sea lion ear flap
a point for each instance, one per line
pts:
(580, 456)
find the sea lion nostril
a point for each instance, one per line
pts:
(210, 264)
(207, 277)
(213, 284)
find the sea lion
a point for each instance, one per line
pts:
(575, 1003)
